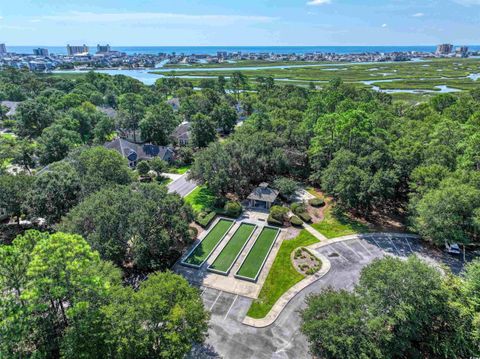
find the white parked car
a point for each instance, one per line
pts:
(452, 248)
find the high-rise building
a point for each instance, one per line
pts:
(3, 49)
(103, 49)
(444, 49)
(462, 51)
(40, 52)
(77, 50)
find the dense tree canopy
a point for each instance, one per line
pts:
(61, 300)
(53, 192)
(140, 224)
(13, 193)
(99, 167)
(399, 309)
(158, 124)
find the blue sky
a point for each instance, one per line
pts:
(238, 23)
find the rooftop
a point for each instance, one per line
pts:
(263, 193)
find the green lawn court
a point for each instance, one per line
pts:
(230, 252)
(209, 243)
(254, 261)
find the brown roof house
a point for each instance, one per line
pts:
(263, 196)
(135, 153)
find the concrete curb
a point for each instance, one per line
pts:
(282, 302)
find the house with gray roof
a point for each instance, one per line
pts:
(107, 110)
(182, 134)
(175, 103)
(135, 152)
(12, 107)
(263, 196)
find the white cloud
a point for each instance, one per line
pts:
(384, 25)
(418, 14)
(319, 2)
(170, 18)
(1, 18)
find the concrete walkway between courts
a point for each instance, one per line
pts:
(282, 302)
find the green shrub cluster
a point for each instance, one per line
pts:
(274, 222)
(295, 221)
(300, 210)
(317, 202)
(233, 209)
(277, 215)
(205, 218)
(193, 232)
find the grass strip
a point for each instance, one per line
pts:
(203, 250)
(231, 251)
(255, 259)
(282, 275)
(336, 225)
(201, 199)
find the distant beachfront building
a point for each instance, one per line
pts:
(40, 52)
(3, 49)
(103, 49)
(444, 49)
(462, 51)
(77, 50)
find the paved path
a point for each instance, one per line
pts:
(182, 186)
(314, 232)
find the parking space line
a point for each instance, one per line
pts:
(409, 246)
(231, 306)
(203, 291)
(340, 254)
(348, 247)
(378, 244)
(394, 246)
(215, 302)
(365, 247)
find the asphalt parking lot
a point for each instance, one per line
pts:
(229, 338)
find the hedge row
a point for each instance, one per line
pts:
(205, 218)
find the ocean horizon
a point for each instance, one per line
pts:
(212, 50)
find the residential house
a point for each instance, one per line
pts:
(175, 103)
(12, 107)
(107, 110)
(135, 152)
(182, 134)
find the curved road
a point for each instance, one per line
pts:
(229, 338)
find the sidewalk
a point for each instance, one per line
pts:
(314, 232)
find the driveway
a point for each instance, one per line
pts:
(229, 338)
(182, 185)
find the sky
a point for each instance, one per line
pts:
(239, 22)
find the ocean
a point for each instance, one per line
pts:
(212, 50)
